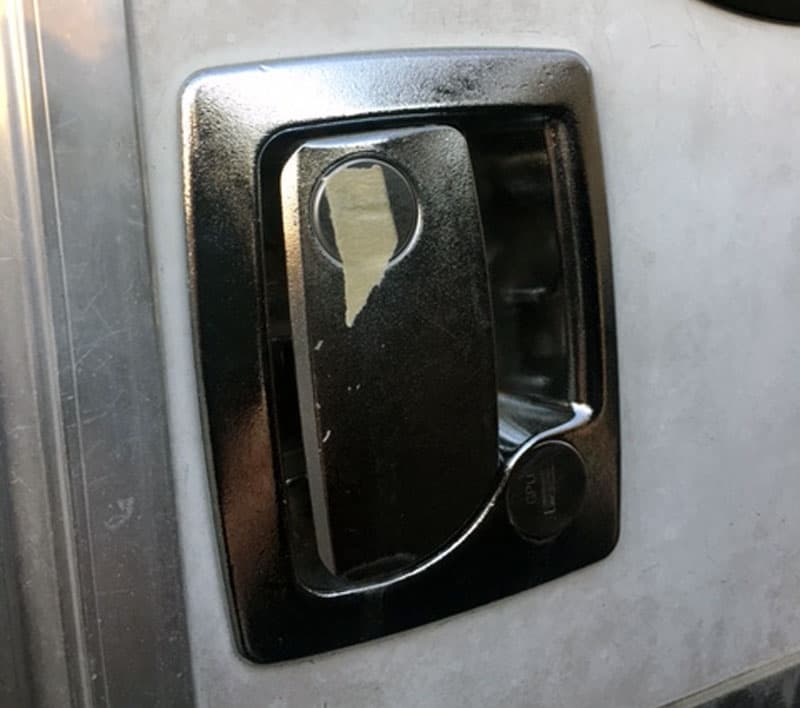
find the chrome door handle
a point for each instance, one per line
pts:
(405, 328)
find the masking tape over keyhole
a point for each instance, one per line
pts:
(372, 217)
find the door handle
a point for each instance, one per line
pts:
(404, 324)
(392, 331)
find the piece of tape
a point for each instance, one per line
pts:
(365, 232)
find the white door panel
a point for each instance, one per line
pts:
(698, 111)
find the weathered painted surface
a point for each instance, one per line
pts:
(698, 115)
